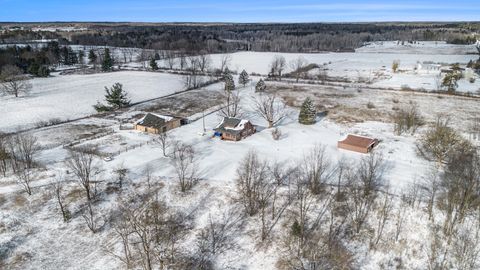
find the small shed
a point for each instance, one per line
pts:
(155, 123)
(358, 144)
(234, 129)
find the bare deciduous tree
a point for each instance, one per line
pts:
(4, 155)
(164, 140)
(252, 174)
(91, 218)
(459, 186)
(225, 62)
(182, 60)
(298, 67)
(24, 179)
(429, 190)
(13, 81)
(83, 164)
(365, 184)
(22, 148)
(231, 105)
(317, 168)
(466, 248)
(121, 173)
(439, 140)
(370, 173)
(270, 108)
(277, 66)
(217, 236)
(204, 61)
(170, 59)
(407, 120)
(281, 173)
(184, 161)
(383, 215)
(149, 233)
(57, 187)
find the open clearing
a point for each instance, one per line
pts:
(71, 96)
(33, 235)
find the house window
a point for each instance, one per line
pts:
(164, 129)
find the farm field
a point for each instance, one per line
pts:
(72, 96)
(136, 177)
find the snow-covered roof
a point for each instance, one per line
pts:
(231, 124)
(154, 120)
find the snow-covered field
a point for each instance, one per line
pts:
(218, 161)
(72, 96)
(338, 64)
(419, 47)
(33, 236)
(372, 62)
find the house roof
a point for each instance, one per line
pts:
(231, 125)
(358, 141)
(154, 120)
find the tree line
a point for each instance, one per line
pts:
(302, 37)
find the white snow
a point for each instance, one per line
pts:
(72, 96)
(31, 226)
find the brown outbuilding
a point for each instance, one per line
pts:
(358, 144)
(234, 129)
(155, 124)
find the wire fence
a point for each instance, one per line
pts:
(130, 147)
(89, 138)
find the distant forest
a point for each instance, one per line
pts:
(215, 38)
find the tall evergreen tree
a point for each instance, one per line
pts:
(81, 56)
(116, 97)
(243, 79)
(153, 64)
(450, 81)
(92, 57)
(261, 86)
(308, 112)
(72, 57)
(229, 82)
(107, 63)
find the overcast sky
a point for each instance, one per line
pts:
(239, 11)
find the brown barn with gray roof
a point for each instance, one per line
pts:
(155, 124)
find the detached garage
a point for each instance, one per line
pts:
(155, 123)
(358, 144)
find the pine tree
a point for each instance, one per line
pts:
(81, 56)
(107, 63)
(243, 78)
(64, 55)
(115, 96)
(92, 57)
(296, 229)
(72, 57)
(153, 64)
(261, 86)
(308, 113)
(229, 82)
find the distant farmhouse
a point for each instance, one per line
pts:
(234, 129)
(155, 124)
(358, 144)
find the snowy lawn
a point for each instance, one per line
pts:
(72, 96)
(34, 222)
